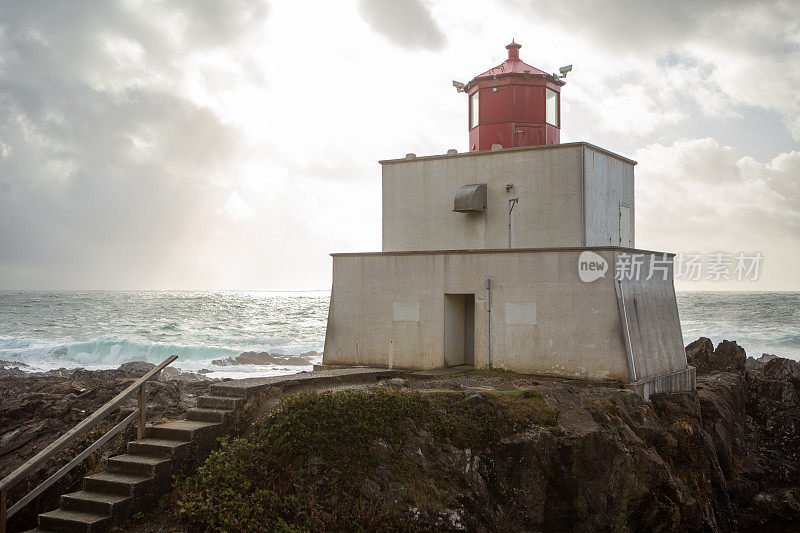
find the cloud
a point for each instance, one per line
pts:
(190, 144)
(408, 24)
(695, 195)
(101, 152)
(652, 25)
(725, 57)
(235, 208)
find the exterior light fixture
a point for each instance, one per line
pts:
(564, 71)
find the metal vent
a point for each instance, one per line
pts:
(470, 199)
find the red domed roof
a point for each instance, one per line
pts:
(514, 65)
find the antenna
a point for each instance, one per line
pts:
(511, 203)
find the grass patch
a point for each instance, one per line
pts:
(603, 405)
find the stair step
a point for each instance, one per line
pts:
(118, 483)
(229, 403)
(222, 389)
(132, 480)
(146, 465)
(94, 502)
(174, 449)
(207, 415)
(73, 521)
(180, 430)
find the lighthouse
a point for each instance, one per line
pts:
(514, 104)
(515, 255)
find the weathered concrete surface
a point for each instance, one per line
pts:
(569, 195)
(608, 183)
(422, 303)
(650, 323)
(545, 320)
(682, 380)
(244, 388)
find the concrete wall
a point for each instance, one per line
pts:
(388, 309)
(608, 184)
(650, 322)
(551, 183)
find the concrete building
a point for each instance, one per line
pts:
(519, 258)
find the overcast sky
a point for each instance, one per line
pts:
(233, 145)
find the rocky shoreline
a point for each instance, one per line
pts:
(589, 456)
(489, 451)
(37, 408)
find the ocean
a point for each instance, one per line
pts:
(99, 330)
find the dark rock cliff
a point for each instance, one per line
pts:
(586, 458)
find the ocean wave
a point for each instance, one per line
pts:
(114, 351)
(111, 351)
(104, 352)
(13, 343)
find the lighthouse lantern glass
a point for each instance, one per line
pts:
(473, 110)
(551, 107)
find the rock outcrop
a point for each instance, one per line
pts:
(728, 356)
(264, 358)
(723, 458)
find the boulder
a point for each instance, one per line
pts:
(781, 369)
(728, 357)
(136, 368)
(254, 358)
(264, 358)
(699, 354)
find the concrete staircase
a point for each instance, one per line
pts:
(137, 479)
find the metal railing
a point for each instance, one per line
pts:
(70, 436)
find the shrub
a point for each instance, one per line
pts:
(303, 466)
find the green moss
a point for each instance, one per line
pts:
(602, 405)
(302, 468)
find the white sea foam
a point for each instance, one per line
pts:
(110, 352)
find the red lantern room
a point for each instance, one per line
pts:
(514, 104)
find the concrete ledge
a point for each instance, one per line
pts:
(512, 149)
(244, 388)
(323, 366)
(681, 381)
(506, 251)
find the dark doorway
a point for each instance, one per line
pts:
(459, 329)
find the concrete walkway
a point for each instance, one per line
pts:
(445, 371)
(244, 388)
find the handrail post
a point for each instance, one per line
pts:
(3, 510)
(142, 411)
